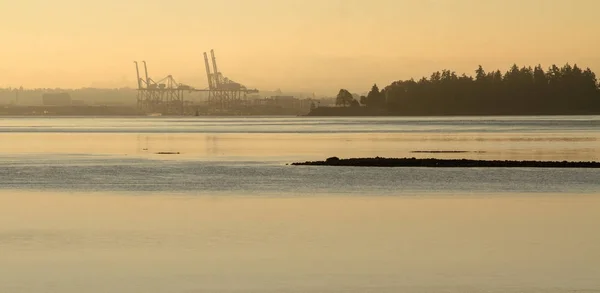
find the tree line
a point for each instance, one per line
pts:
(520, 90)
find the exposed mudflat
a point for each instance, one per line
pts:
(446, 152)
(446, 163)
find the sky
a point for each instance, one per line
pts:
(294, 45)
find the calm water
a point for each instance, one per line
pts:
(86, 205)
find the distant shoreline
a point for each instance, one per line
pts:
(366, 112)
(131, 111)
(122, 110)
(28, 111)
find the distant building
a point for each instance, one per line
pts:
(305, 104)
(285, 101)
(56, 99)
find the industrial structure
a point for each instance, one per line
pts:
(56, 99)
(223, 93)
(166, 96)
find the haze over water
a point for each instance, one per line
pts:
(86, 205)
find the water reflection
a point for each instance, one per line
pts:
(212, 145)
(287, 147)
(87, 206)
(166, 243)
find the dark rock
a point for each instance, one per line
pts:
(332, 160)
(446, 163)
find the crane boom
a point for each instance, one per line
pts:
(147, 78)
(137, 71)
(208, 75)
(216, 71)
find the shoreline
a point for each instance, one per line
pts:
(132, 111)
(366, 112)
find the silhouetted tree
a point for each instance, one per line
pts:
(520, 90)
(344, 98)
(363, 100)
(480, 74)
(375, 98)
(354, 103)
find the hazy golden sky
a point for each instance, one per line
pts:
(311, 45)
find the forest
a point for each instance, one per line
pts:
(518, 91)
